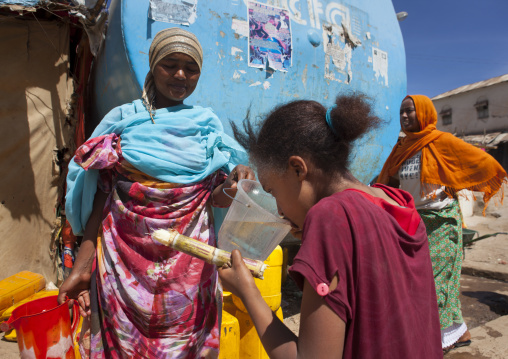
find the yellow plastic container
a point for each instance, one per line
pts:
(229, 337)
(10, 336)
(270, 286)
(227, 303)
(250, 344)
(18, 287)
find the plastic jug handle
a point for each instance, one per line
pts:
(233, 198)
(7, 325)
(75, 316)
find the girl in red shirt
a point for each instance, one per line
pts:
(364, 264)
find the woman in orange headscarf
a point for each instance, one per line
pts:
(433, 166)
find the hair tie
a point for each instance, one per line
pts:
(329, 119)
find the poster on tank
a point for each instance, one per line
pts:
(269, 37)
(182, 12)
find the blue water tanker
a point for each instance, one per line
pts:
(258, 55)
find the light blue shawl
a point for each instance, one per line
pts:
(185, 145)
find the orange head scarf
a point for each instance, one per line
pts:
(446, 160)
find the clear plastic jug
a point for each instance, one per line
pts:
(252, 224)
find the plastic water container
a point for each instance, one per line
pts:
(44, 328)
(249, 345)
(270, 286)
(229, 337)
(252, 224)
(18, 287)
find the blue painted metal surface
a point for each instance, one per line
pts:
(368, 57)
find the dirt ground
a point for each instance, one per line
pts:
(291, 302)
(482, 300)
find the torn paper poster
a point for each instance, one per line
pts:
(240, 27)
(338, 54)
(182, 12)
(269, 37)
(344, 31)
(380, 65)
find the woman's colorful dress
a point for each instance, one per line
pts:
(444, 229)
(147, 299)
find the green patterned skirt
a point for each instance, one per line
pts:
(444, 229)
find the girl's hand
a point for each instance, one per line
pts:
(239, 172)
(237, 278)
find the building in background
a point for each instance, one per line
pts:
(478, 114)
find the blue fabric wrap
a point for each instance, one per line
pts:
(185, 145)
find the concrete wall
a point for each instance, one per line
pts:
(464, 114)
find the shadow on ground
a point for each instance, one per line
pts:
(498, 303)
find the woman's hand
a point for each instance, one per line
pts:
(238, 173)
(237, 278)
(77, 287)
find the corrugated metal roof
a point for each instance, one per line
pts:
(489, 140)
(501, 138)
(474, 86)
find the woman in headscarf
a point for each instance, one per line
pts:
(433, 166)
(154, 163)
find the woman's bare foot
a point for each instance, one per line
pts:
(463, 341)
(465, 337)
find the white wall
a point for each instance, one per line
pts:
(464, 115)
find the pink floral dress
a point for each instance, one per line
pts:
(149, 300)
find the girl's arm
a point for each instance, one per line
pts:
(77, 285)
(322, 331)
(220, 199)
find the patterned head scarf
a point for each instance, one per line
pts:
(166, 42)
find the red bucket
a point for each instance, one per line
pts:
(44, 329)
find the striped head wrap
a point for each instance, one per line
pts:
(166, 42)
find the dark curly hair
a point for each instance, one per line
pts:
(299, 128)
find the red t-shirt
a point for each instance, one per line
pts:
(385, 292)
